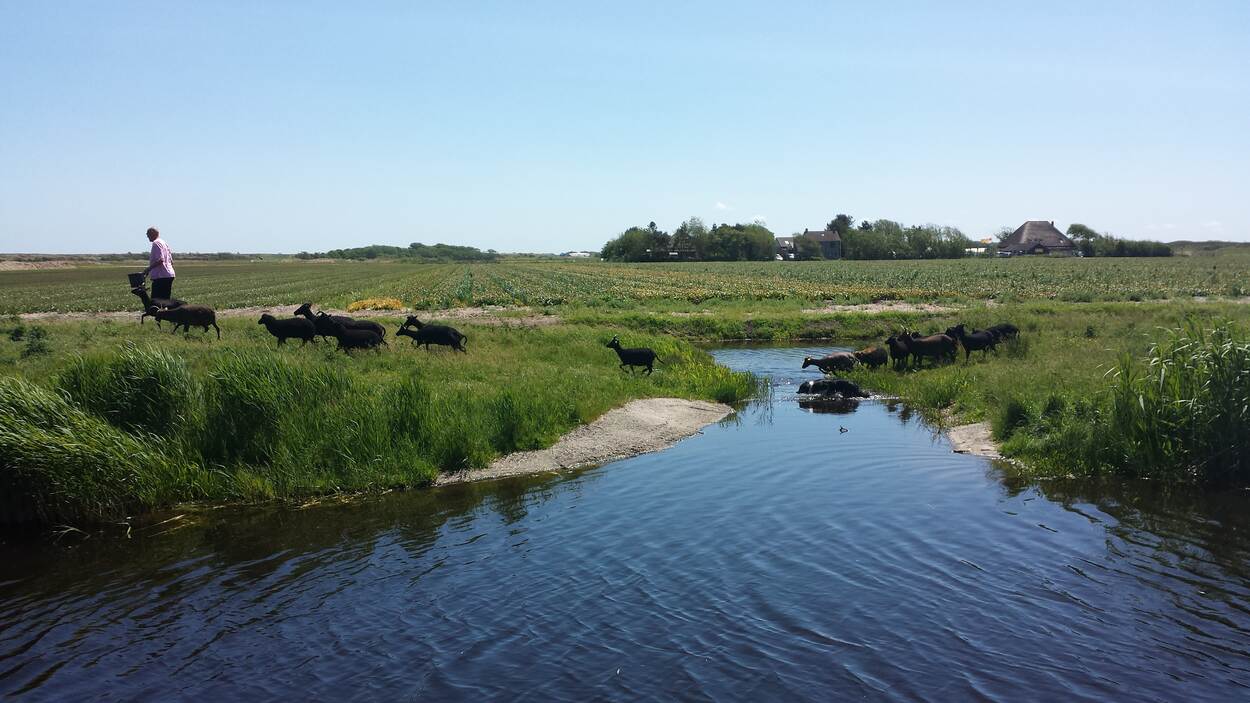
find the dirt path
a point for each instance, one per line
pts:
(637, 428)
(487, 315)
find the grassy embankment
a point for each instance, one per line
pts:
(255, 422)
(102, 419)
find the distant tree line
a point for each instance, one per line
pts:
(1093, 243)
(416, 250)
(887, 239)
(693, 240)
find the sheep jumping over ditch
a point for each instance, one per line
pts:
(188, 316)
(426, 334)
(638, 356)
(296, 327)
(832, 364)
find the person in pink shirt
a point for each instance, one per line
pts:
(160, 266)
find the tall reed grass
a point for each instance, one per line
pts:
(130, 427)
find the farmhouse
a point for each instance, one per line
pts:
(829, 241)
(1036, 237)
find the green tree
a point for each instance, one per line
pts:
(807, 248)
(840, 224)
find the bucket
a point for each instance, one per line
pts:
(136, 280)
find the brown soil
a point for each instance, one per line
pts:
(884, 306)
(488, 315)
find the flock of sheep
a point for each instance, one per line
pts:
(305, 325)
(904, 349)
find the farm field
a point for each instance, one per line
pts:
(541, 284)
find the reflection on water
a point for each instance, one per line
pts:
(772, 557)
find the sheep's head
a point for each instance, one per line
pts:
(808, 361)
(615, 343)
(264, 319)
(305, 309)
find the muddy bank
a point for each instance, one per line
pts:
(639, 427)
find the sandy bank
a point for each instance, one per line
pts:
(973, 439)
(637, 428)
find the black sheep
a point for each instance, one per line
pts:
(900, 352)
(324, 329)
(638, 356)
(1004, 330)
(972, 341)
(296, 327)
(832, 364)
(354, 338)
(424, 334)
(830, 386)
(188, 316)
(937, 346)
(149, 303)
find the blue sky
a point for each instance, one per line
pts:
(287, 126)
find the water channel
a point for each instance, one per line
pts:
(784, 554)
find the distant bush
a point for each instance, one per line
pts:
(416, 251)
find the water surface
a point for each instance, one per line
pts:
(775, 556)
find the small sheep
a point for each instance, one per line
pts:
(188, 316)
(638, 356)
(296, 327)
(149, 302)
(354, 338)
(432, 334)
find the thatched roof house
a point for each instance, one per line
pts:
(1037, 237)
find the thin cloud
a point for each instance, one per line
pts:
(722, 206)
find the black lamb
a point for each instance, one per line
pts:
(150, 302)
(638, 356)
(1004, 330)
(296, 327)
(188, 316)
(353, 338)
(426, 335)
(323, 325)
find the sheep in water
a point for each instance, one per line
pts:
(972, 341)
(832, 364)
(872, 357)
(830, 386)
(324, 329)
(637, 356)
(296, 327)
(188, 316)
(150, 302)
(432, 334)
(351, 338)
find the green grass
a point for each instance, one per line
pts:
(1100, 389)
(638, 287)
(117, 418)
